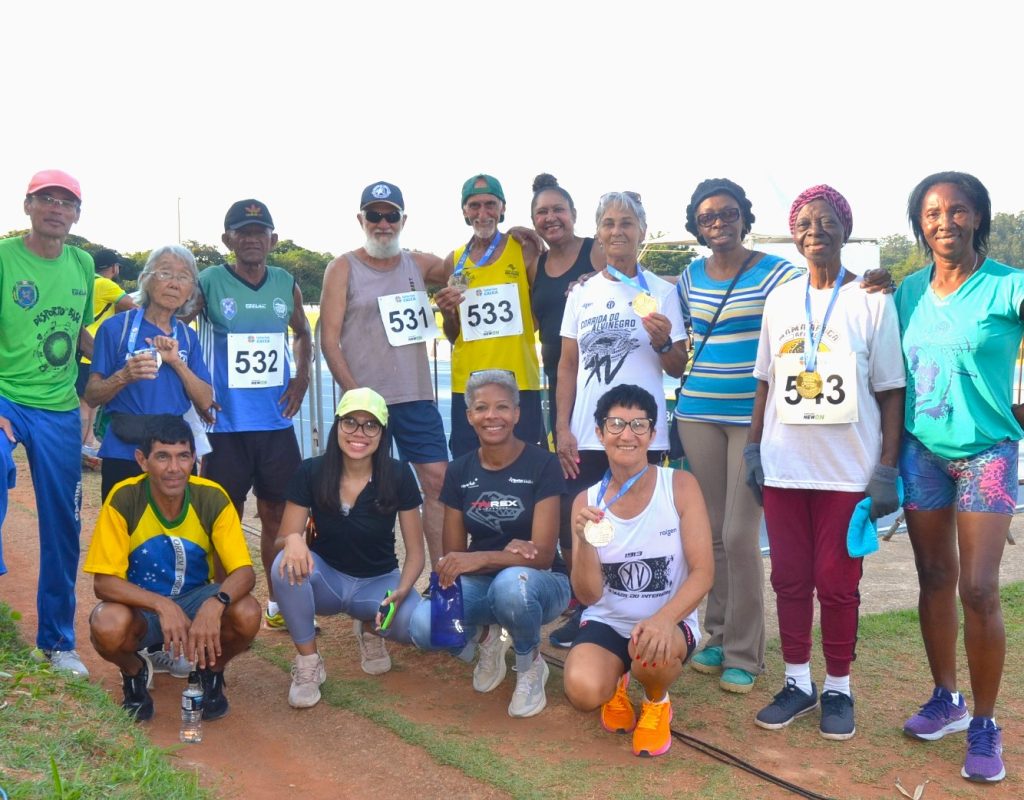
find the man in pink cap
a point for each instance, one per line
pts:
(45, 303)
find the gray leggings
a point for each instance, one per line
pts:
(327, 591)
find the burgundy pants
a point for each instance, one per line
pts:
(807, 534)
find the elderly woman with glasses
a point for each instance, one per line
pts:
(643, 565)
(824, 434)
(500, 529)
(147, 361)
(354, 492)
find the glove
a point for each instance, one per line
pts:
(882, 491)
(755, 472)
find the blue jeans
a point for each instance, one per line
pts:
(520, 599)
(51, 440)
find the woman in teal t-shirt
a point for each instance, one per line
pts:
(961, 323)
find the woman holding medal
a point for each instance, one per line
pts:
(961, 318)
(147, 361)
(643, 564)
(354, 492)
(500, 528)
(624, 325)
(825, 433)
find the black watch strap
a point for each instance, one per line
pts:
(224, 598)
(665, 347)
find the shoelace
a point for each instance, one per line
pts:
(936, 708)
(619, 701)
(306, 674)
(650, 717)
(982, 741)
(373, 646)
(787, 692)
(529, 682)
(832, 702)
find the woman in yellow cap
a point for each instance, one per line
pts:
(354, 492)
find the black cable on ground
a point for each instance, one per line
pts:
(724, 756)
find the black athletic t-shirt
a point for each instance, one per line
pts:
(548, 300)
(362, 542)
(497, 505)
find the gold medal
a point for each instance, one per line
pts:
(808, 385)
(644, 304)
(458, 281)
(599, 533)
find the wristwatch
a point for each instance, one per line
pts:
(224, 598)
(664, 348)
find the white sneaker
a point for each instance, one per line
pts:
(307, 676)
(63, 661)
(529, 697)
(372, 652)
(161, 661)
(491, 667)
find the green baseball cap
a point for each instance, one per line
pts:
(491, 186)
(363, 399)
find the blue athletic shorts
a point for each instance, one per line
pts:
(189, 602)
(417, 429)
(986, 481)
(604, 635)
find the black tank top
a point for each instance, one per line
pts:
(548, 299)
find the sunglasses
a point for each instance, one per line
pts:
(377, 216)
(728, 215)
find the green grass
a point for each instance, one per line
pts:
(66, 738)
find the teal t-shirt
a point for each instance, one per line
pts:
(960, 353)
(44, 303)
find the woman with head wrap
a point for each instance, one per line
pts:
(723, 296)
(961, 318)
(824, 434)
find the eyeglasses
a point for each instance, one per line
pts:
(177, 277)
(56, 202)
(726, 215)
(370, 427)
(377, 216)
(616, 425)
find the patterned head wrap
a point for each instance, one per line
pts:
(830, 196)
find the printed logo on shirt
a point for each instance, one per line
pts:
(492, 508)
(610, 305)
(25, 294)
(604, 349)
(228, 307)
(280, 308)
(641, 576)
(54, 346)
(76, 292)
(471, 484)
(528, 481)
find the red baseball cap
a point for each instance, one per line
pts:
(54, 177)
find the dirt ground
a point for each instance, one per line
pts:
(264, 748)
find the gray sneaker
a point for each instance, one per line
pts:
(308, 674)
(63, 661)
(491, 667)
(529, 697)
(162, 661)
(373, 654)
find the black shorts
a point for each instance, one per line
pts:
(263, 461)
(82, 379)
(604, 635)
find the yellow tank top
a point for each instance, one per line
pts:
(516, 353)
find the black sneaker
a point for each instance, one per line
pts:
(837, 716)
(787, 705)
(565, 635)
(215, 704)
(137, 700)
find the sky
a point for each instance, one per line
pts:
(161, 108)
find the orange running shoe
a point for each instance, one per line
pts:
(652, 736)
(617, 715)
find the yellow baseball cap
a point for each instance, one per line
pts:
(363, 399)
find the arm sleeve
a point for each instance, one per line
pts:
(886, 370)
(570, 317)
(763, 362)
(409, 496)
(228, 539)
(104, 355)
(300, 487)
(196, 360)
(550, 481)
(451, 494)
(108, 551)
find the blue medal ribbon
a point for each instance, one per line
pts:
(607, 479)
(487, 253)
(813, 338)
(133, 333)
(639, 282)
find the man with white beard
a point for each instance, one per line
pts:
(376, 320)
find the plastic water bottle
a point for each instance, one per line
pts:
(446, 627)
(192, 710)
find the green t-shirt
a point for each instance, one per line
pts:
(960, 353)
(44, 303)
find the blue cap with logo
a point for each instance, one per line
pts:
(382, 192)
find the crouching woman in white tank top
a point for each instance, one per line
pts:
(642, 565)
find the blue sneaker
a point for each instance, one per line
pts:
(938, 717)
(787, 705)
(984, 762)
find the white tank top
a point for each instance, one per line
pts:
(643, 565)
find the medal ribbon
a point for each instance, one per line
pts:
(639, 282)
(813, 338)
(625, 487)
(487, 253)
(133, 333)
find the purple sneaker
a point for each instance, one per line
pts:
(984, 762)
(938, 716)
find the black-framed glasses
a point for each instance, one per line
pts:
(56, 202)
(370, 427)
(376, 216)
(616, 425)
(726, 215)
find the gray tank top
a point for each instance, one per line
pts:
(398, 374)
